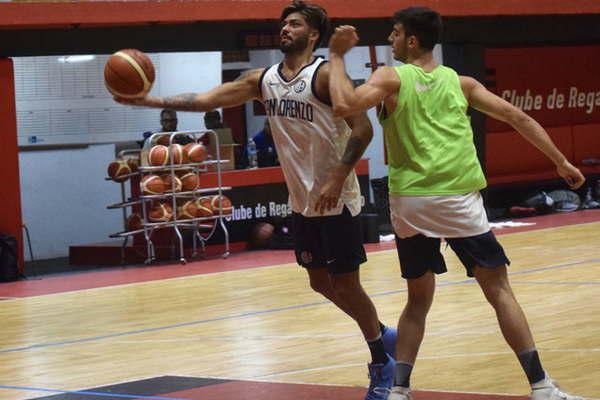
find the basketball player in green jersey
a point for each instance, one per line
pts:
(434, 182)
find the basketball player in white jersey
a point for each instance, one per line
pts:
(312, 144)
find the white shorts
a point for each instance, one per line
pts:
(438, 216)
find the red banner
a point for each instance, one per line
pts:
(558, 86)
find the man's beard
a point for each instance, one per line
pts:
(294, 46)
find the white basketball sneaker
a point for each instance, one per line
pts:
(400, 393)
(549, 390)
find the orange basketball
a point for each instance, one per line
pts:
(129, 73)
(203, 207)
(133, 162)
(152, 184)
(261, 234)
(225, 203)
(187, 211)
(177, 151)
(164, 140)
(161, 212)
(134, 222)
(171, 182)
(190, 181)
(117, 169)
(196, 152)
(158, 155)
(182, 172)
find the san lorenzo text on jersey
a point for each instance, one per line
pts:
(289, 108)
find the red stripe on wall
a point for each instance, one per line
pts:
(29, 15)
(10, 192)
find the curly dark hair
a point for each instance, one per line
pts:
(315, 16)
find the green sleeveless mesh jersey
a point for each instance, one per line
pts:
(429, 138)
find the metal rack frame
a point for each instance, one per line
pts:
(194, 223)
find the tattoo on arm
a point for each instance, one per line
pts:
(250, 74)
(354, 150)
(244, 75)
(181, 102)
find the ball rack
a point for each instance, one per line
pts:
(148, 227)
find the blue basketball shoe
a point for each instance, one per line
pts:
(382, 379)
(389, 341)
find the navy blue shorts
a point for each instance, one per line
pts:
(332, 242)
(419, 254)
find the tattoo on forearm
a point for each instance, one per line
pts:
(354, 150)
(243, 75)
(181, 102)
(247, 74)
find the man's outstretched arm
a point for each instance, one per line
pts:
(229, 94)
(488, 103)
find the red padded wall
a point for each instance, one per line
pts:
(10, 193)
(586, 140)
(522, 75)
(508, 153)
(560, 88)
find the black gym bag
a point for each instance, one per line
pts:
(9, 266)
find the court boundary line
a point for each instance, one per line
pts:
(343, 385)
(228, 378)
(87, 393)
(108, 285)
(268, 311)
(129, 396)
(283, 265)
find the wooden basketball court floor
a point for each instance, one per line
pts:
(250, 328)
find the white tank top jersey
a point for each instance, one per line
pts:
(308, 139)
